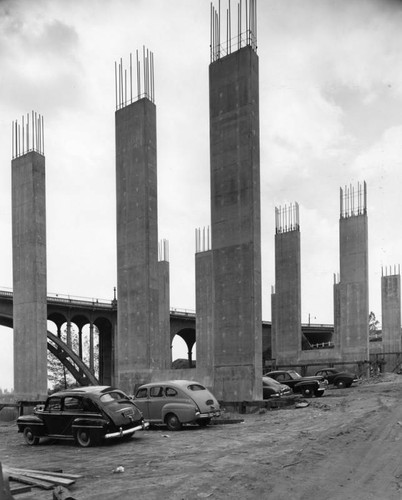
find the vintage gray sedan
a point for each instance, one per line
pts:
(87, 415)
(176, 402)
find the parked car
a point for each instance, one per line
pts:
(176, 402)
(308, 386)
(272, 388)
(337, 378)
(87, 415)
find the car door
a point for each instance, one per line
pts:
(142, 401)
(53, 417)
(156, 401)
(72, 408)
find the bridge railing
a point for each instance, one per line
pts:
(66, 299)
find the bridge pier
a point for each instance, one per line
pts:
(29, 272)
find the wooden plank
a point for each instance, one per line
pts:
(46, 472)
(32, 482)
(44, 477)
(15, 490)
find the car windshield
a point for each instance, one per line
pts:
(294, 374)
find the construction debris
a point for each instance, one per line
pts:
(45, 479)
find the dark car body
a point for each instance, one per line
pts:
(87, 415)
(272, 388)
(308, 386)
(336, 377)
(176, 402)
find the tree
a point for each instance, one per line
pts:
(373, 325)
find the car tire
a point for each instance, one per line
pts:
(308, 392)
(84, 438)
(203, 422)
(172, 421)
(340, 384)
(29, 437)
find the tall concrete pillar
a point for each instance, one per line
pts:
(162, 357)
(29, 261)
(353, 286)
(235, 216)
(337, 315)
(204, 304)
(137, 233)
(287, 285)
(274, 326)
(391, 313)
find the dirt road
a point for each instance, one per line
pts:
(345, 445)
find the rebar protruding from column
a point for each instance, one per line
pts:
(352, 202)
(163, 250)
(287, 218)
(202, 239)
(385, 271)
(28, 136)
(246, 30)
(123, 80)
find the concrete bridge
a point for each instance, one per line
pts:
(100, 317)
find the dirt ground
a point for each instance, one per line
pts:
(345, 445)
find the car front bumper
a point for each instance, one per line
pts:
(125, 432)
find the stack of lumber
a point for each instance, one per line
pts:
(39, 478)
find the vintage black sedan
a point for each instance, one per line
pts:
(87, 415)
(338, 378)
(307, 386)
(271, 388)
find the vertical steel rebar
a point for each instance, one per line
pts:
(131, 78)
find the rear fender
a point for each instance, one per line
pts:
(35, 423)
(184, 412)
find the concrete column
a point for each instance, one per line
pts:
(354, 300)
(391, 313)
(204, 310)
(29, 276)
(162, 356)
(288, 296)
(337, 317)
(68, 333)
(91, 347)
(236, 231)
(137, 239)
(274, 326)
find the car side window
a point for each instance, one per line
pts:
(156, 392)
(73, 403)
(280, 377)
(170, 392)
(142, 393)
(53, 404)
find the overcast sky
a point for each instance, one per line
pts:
(330, 115)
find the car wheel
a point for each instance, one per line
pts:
(340, 384)
(308, 392)
(29, 437)
(84, 438)
(203, 422)
(172, 422)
